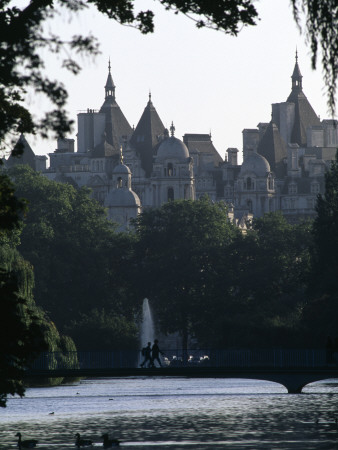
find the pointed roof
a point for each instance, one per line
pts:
(273, 148)
(146, 136)
(110, 86)
(305, 115)
(117, 125)
(296, 76)
(25, 154)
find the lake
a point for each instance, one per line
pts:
(175, 413)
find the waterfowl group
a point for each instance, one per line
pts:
(27, 443)
(107, 443)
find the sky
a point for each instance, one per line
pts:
(202, 80)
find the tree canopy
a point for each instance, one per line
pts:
(179, 249)
(207, 280)
(322, 306)
(22, 37)
(76, 255)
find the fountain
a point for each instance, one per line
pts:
(147, 331)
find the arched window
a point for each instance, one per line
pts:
(270, 183)
(170, 194)
(249, 185)
(119, 182)
(170, 170)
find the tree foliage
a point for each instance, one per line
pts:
(322, 309)
(79, 261)
(178, 251)
(205, 279)
(22, 37)
(21, 333)
(272, 262)
(102, 330)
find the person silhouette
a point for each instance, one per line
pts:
(155, 354)
(146, 352)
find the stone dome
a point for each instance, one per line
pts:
(122, 198)
(172, 148)
(256, 164)
(121, 169)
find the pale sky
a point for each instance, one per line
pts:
(202, 80)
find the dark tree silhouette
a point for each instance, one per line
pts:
(321, 312)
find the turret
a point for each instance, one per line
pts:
(296, 77)
(110, 86)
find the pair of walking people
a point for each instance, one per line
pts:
(151, 353)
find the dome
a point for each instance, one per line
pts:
(256, 164)
(172, 148)
(121, 169)
(122, 198)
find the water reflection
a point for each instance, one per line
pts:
(176, 414)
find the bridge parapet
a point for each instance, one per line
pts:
(241, 358)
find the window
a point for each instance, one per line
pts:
(119, 182)
(249, 184)
(170, 194)
(270, 183)
(292, 188)
(170, 170)
(311, 203)
(249, 205)
(315, 188)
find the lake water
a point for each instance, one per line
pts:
(175, 413)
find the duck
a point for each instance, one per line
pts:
(108, 443)
(28, 443)
(82, 442)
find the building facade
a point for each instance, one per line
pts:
(283, 169)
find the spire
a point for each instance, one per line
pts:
(172, 129)
(110, 86)
(296, 76)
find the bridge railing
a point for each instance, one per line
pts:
(249, 358)
(232, 358)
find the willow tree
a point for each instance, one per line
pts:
(21, 335)
(25, 330)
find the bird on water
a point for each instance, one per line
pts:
(108, 443)
(82, 442)
(27, 443)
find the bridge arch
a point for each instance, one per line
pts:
(293, 382)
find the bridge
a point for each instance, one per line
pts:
(293, 368)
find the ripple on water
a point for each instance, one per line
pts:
(176, 414)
